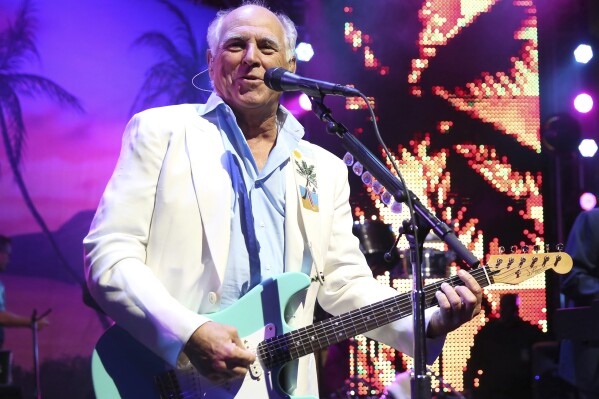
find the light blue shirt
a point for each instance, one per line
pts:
(257, 249)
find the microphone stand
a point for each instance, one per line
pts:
(36, 365)
(424, 219)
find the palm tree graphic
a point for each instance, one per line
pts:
(170, 78)
(17, 43)
(307, 171)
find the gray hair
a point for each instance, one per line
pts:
(214, 29)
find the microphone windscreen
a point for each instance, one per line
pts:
(272, 78)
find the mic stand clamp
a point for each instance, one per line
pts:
(324, 114)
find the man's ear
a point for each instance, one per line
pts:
(292, 65)
(209, 59)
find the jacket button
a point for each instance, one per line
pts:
(212, 297)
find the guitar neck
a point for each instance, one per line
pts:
(503, 268)
(295, 344)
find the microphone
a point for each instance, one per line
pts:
(280, 79)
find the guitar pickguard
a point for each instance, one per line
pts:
(257, 383)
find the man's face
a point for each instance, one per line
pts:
(4, 257)
(252, 40)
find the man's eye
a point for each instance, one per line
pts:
(235, 46)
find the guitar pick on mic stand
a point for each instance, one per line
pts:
(423, 221)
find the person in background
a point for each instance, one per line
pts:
(500, 362)
(10, 319)
(579, 360)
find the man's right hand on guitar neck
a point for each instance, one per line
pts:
(217, 352)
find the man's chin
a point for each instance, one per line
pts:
(253, 101)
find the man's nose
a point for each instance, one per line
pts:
(251, 55)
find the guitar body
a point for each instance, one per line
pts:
(124, 368)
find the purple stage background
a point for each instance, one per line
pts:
(86, 47)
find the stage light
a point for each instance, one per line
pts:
(304, 102)
(304, 51)
(296, 103)
(583, 103)
(587, 148)
(588, 201)
(583, 53)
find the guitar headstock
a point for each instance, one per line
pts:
(517, 267)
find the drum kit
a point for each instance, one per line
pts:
(377, 244)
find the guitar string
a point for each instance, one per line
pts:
(279, 345)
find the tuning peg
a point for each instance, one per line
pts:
(513, 249)
(522, 260)
(510, 261)
(534, 261)
(559, 247)
(536, 248)
(501, 250)
(545, 260)
(524, 249)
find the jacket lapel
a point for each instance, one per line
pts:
(212, 186)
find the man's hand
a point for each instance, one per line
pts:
(456, 305)
(216, 351)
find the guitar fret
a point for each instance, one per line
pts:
(312, 338)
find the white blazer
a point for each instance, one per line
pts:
(157, 249)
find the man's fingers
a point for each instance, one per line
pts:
(467, 297)
(471, 283)
(471, 294)
(455, 301)
(240, 351)
(444, 304)
(235, 337)
(242, 356)
(218, 353)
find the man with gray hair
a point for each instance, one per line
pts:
(211, 200)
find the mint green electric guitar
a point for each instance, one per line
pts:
(123, 368)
